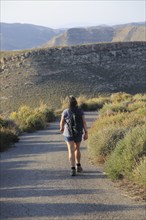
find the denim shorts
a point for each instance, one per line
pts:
(75, 139)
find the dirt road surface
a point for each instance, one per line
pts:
(36, 183)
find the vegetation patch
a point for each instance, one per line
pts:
(118, 137)
(127, 154)
(29, 119)
(9, 132)
(25, 119)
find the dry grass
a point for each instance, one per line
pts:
(120, 126)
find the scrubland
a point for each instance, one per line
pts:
(117, 139)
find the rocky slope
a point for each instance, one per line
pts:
(48, 75)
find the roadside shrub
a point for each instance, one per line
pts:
(3, 122)
(21, 117)
(86, 103)
(139, 97)
(9, 132)
(117, 138)
(123, 102)
(141, 111)
(48, 113)
(6, 139)
(136, 105)
(127, 154)
(133, 119)
(23, 113)
(110, 109)
(89, 106)
(120, 97)
(139, 173)
(34, 122)
(103, 141)
(32, 119)
(82, 99)
(92, 104)
(102, 133)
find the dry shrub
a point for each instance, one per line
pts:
(32, 119)
(120, 97)
(139, 173)
(114, 121)
(127, 154)
(8, 133)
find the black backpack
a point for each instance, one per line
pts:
(75, 124)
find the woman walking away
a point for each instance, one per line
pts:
(73, 126)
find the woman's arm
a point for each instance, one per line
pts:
(62, 122)
(85, 128)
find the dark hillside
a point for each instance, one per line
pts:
(29, 77)
(23, 36)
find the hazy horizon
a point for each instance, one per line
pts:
(67, 14)
(75, 25)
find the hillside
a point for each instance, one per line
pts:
(130, 33)
(77, 36)
(29, 77)
(27, 36)
(98, 34)
(24, 36)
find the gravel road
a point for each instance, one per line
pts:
(36, 185)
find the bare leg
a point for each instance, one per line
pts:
(77, 153)
(71, 152)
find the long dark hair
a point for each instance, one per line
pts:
(72, 103)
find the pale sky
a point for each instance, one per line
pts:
(67, 13)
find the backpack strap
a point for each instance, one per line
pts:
(69, 125)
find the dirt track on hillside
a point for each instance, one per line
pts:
(36, 185)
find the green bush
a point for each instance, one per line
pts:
(110, 109)
(34, 122)
(49, 115)
(26, 119)
(139, 173)
(107, 130)
(32, 119)
(93, 104)
(123, 102)
(7, 137)
(127, 153)
(102, 142)
(87, 104)
(136, 105)
(117, 138)
(90, 106)
(45, 111)
(9, 132)
(120, 97)
(139, 97)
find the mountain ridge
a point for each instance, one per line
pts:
(77, 36)
(18, 36)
